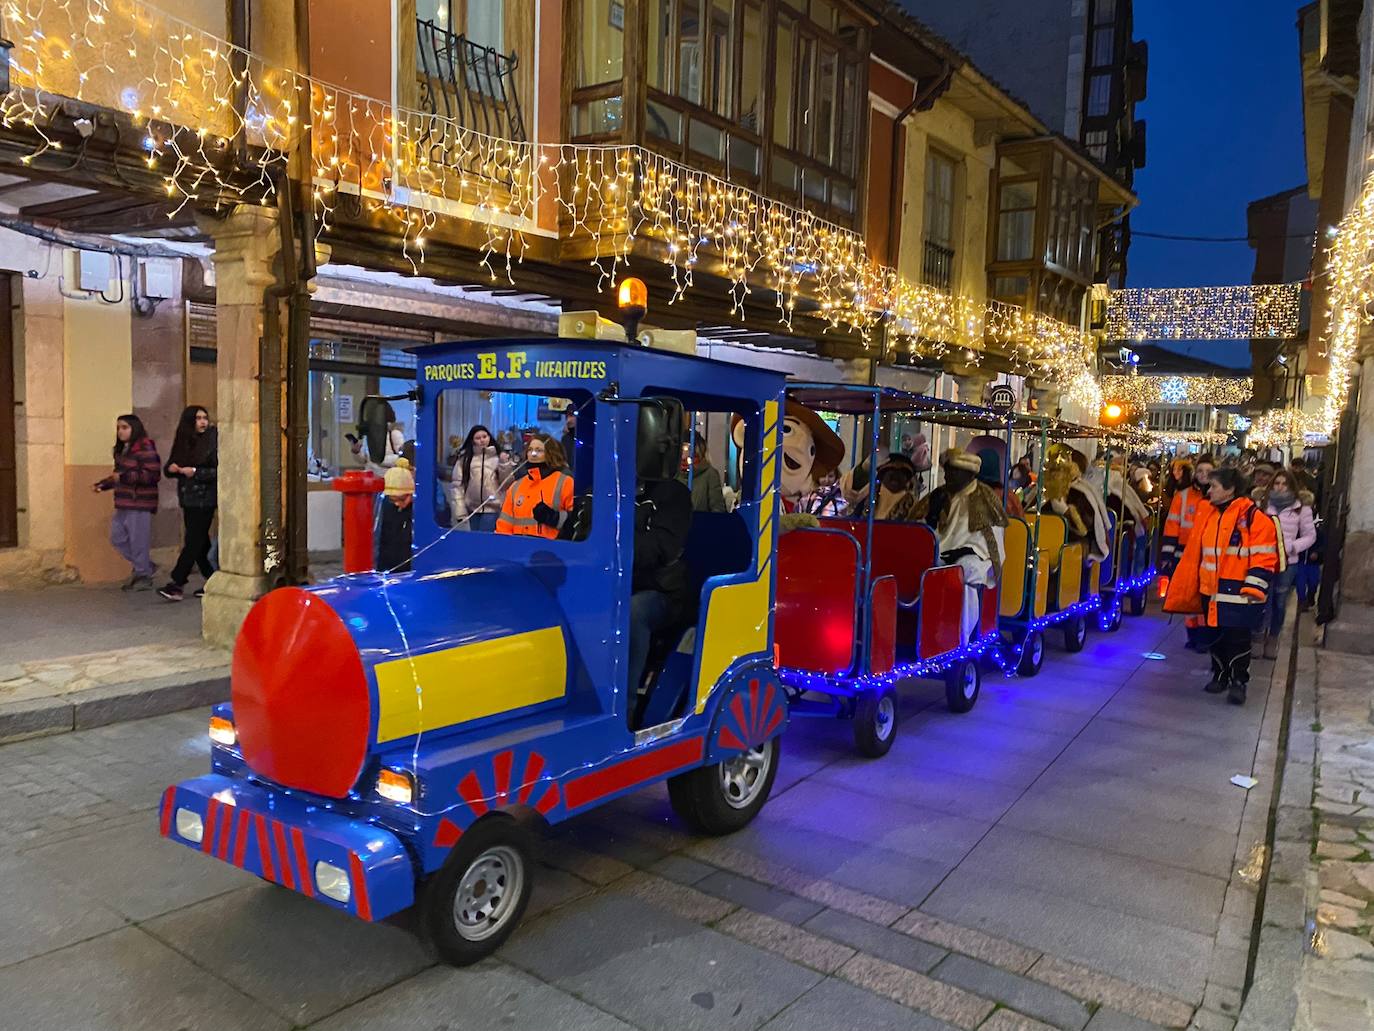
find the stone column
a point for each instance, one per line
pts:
(246, 246)
(972, 383)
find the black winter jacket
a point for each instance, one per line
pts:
(200, 490)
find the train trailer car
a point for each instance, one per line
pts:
(392, 739)
(864, 604)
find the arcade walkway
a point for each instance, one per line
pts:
(1069, 854)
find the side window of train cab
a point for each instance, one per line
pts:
(514, 462)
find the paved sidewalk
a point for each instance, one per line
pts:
(1336, 990)
(1063, 856)
(79, 657)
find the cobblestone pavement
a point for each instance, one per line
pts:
(1061, 857)
(1336, 991)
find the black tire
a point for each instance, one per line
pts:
(875, 722)
(1136, 599)
(1075, 634)
(1032, 655)
(724, 797)
(471, 906)
(963, 682)
(1116, 615)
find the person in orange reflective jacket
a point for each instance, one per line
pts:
(1225, 575)
(538, 504)
(1188, 508)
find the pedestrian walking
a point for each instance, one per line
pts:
(137, 468)
(194, 463)
(1224, 576)
(479, 482)
(1291, 509)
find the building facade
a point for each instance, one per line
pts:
(1076, 65)
(279, 222)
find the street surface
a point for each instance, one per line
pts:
(1057, 857)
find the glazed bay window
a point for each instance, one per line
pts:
(818, 83)
(938, 262)
(598, 41)
(704, 70)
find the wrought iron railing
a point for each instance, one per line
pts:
(938, 268)
(471, 84)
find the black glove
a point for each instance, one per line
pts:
(544, 514)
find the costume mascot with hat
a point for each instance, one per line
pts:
(810, 451)
(1069, 494)
(992, 457)
(969, 520)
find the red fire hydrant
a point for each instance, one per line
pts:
(359, 487)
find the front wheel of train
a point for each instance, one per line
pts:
(1032, 655)
(471, 906)
(875, 722)
(963, 681)
(1075, 634)
(723, 798)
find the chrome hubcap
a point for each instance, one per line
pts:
(488, 893)
(1037, 649)
(743, 776)
(885, 717)
(970, 680)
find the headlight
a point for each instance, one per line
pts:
(332, 881)
(190, 826)
(222, 732)
(395, 786)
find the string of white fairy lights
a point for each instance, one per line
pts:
(221, 125)
(1245, 312)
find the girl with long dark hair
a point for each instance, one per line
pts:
(137, 469)
(478, 483)
(194, 463)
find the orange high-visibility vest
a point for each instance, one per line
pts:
(1230, 562)
(1188, 509)
(517, 511)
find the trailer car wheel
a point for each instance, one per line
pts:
(1075, 634)
(1032, 655)
(1137, 599)
(474, 902)
(723, 798)
(875, 722)
(963, 681)
(1115, 619)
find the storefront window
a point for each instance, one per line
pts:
(751, 72)
(786, 68)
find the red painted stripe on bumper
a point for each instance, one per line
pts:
(302, 863)
(269, 869)
(168, 805)
(593, 786)
(241, 836)
(207, 838)
(279, 849)
(358, 877)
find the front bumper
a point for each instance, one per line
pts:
(285, 839)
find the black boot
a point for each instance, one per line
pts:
(1216, 685)
(1236, 694)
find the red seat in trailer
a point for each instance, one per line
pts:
(816, 616)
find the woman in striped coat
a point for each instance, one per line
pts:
(137, 470)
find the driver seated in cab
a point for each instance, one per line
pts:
(661, 587)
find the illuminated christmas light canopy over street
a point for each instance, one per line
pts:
(1255, 312)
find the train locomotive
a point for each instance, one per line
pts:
(392, 740)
